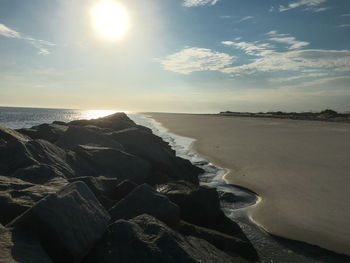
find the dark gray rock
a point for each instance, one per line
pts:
(165, 165)
(200, 206)
(21, 247)
(67, 223)
(98, 185)
(86, 135)
(227, 243)
(41, 174)
(110, 162)
(101, 186)
(145, 200)
(16, 195)
(122, 190)
(48, 132)
(10, 135)
(145, 239)
(117, 121)
(19, 154)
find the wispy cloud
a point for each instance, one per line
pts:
(8, 32)
(344, 25)
(191, 3)
(252, 49)
(311, 5)
(296, 77)
(294, 44)
(195, 59)
(295, 60)
(345, 15)
(286, 39)
(39, 44)
(245, 19)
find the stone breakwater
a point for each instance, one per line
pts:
(107, 190)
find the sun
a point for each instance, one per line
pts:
(110, 19)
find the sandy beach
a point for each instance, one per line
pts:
(301, 170)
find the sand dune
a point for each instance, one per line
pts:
(301, 169)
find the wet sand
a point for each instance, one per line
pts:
(301, 169)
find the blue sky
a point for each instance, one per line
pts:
(178, 56)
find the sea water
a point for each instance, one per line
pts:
(17, 118)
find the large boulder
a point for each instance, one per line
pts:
(145, 239)
(48, 132)
(110, 162)
(41, 174)
(122, 190)
(165, 165)
(17, 195)
(200, 205)
(11, 203)
(19, 154)
(117, 121)
(86, 135)
(102, 187)
(145, 200)
(10, 135)
(21, 247)
(67, 223)
(227, 243)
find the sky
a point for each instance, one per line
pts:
(178, 56)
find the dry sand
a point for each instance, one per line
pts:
(301, 169)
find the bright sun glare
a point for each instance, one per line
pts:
(110, 19)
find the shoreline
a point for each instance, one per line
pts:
(198, 145)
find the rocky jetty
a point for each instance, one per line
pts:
(107, 190)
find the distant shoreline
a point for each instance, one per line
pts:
(326, 115)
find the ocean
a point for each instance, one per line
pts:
(17, 118)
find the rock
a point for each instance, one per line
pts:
(101, 186)
(98, 185)
(122, 190)
(10, 135)
(48, 132)
(77, 135)
(117, 121)
(67, 223)
(145, 239)
(16, 196)
(110, 162)
(41, 174)
(143, 143)
(226, 243)
(21, 247)
(19, 154)
(145, 200)
(200, 205)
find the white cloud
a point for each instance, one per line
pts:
(345, 15)
(296, 77)
(295, 60)
(245, 19)
(191, 3)
(253, 49)
(195, 59)
(312, 5)
(294, 44)
(341, 26)
(39, 44)
(8, 32)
